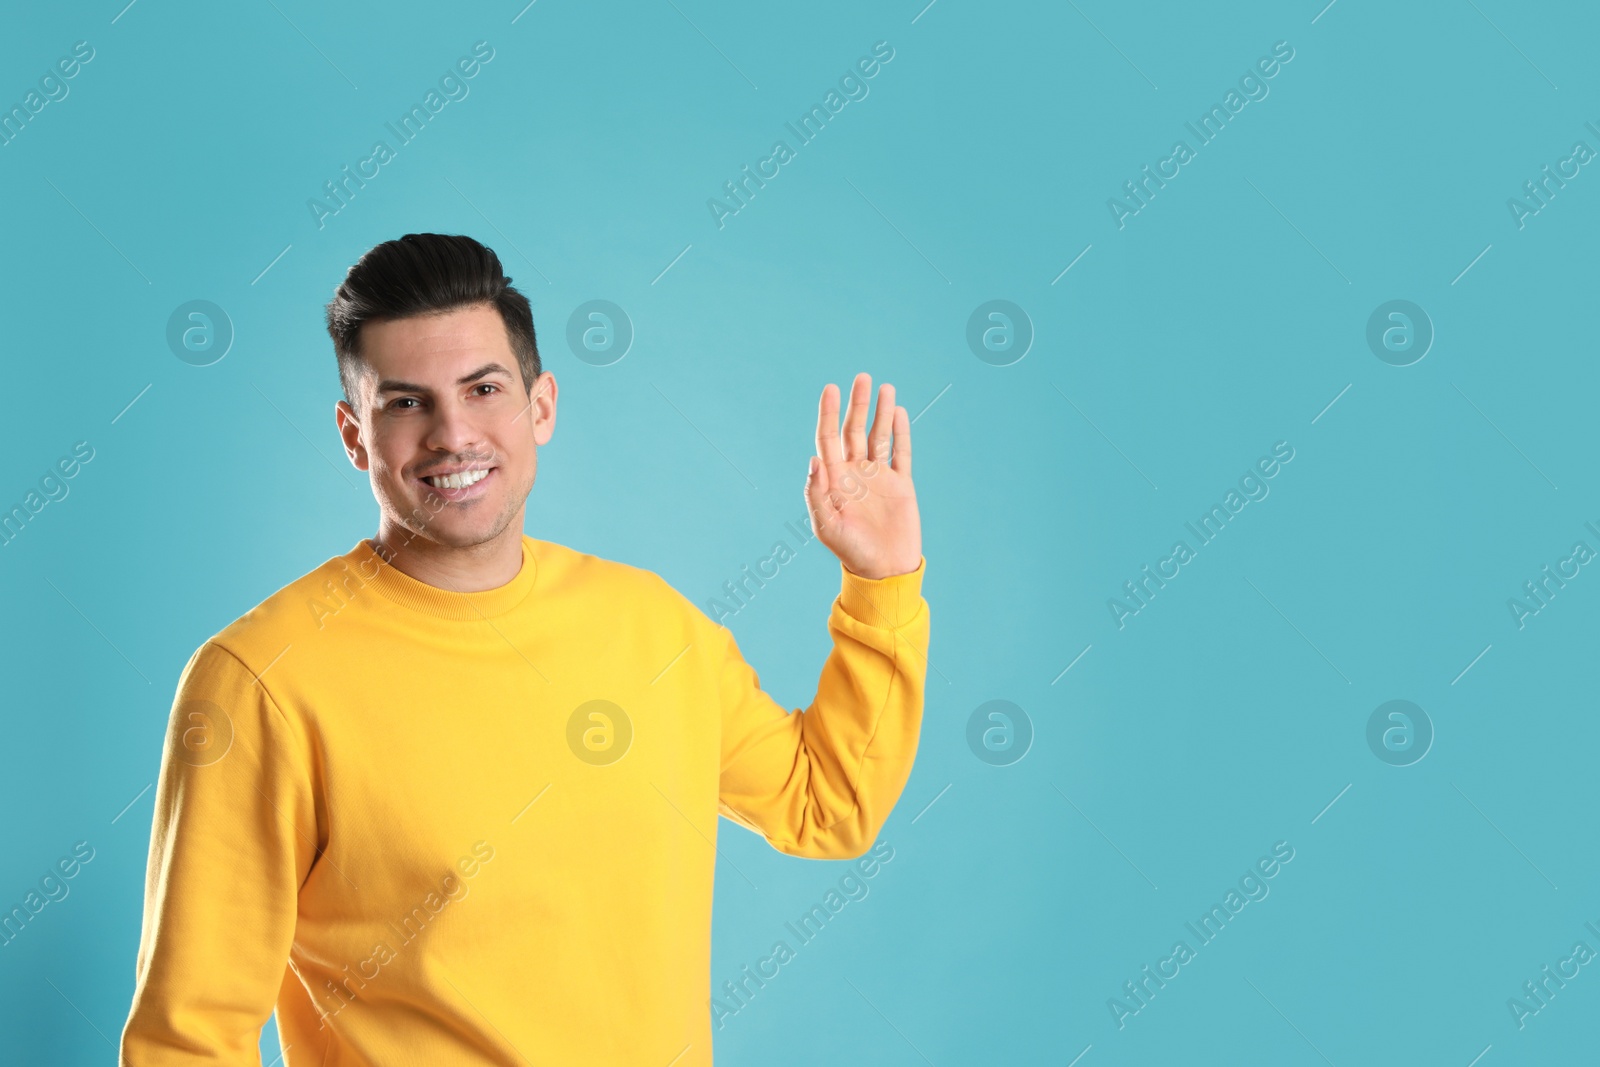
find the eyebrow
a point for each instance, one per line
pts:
(390, 385)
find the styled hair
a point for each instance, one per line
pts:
(426, 274)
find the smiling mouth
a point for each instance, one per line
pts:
(459, 480)
(463, 485)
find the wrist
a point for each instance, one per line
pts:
(885, 571)
(892, 600)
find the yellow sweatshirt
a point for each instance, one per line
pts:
(437, 828)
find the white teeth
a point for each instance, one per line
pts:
(457, 481)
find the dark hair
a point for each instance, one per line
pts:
(426, 274)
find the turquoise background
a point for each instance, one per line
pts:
(1224, 317)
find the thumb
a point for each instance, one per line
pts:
(816, 492)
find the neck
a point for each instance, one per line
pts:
(464, 569)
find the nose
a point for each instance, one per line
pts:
(453, 430)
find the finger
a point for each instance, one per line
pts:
(828, 427)
(817, 493)
(855, 417)
(902, 442)
(882, 425)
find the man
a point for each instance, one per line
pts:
(452, 797)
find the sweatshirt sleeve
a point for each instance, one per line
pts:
(820, 783)
(234, 835)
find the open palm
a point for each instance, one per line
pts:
(859, 492)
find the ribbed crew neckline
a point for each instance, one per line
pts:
(440, 602)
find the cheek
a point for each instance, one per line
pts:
(523, 471)
(518, 455)
(388, 453)
(387, 472)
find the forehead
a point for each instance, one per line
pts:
(424, 348)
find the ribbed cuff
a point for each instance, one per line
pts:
(888, 602)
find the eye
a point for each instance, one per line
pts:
(402, 400)
(487, 385)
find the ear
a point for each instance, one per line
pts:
(350, 433)
(542, 407)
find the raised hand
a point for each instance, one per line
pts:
(862, 503)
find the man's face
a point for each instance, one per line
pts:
(446, 426)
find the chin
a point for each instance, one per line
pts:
(462, 535)
(464, 531)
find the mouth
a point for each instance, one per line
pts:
(465, 484)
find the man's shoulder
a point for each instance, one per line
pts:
(292, 612)
(563, 567)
